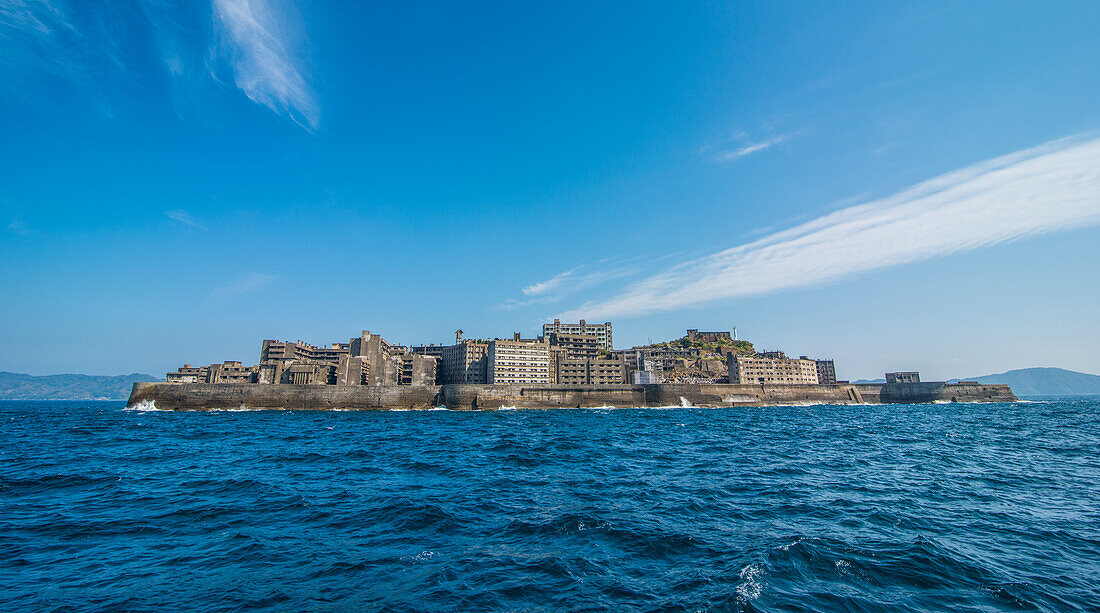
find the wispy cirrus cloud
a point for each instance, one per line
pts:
(252, 282)
(542, 287)
(52, 37)
(184, 218)
(256, 44)
(1046, 189)
(92, 45)
(568, 283)
(750, 148)
(18, 226)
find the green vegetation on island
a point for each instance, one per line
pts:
(717, 350)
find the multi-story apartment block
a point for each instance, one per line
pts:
(432, 350)
(188, 374)
(575, 345)
(464, 362)
(826, 372)
(518, 361)
(771, 367)
(305, 374)
(575, 360)
(602, 332)
(271, 350)
(587, 371)
(417, 369)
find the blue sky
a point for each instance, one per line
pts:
(895, 186)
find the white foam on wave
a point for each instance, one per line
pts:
(143, 406)
(752, 581)
(420, 557)
(504, 408)
(243, 408)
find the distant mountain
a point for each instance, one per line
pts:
(1044, 382)
(17, 386)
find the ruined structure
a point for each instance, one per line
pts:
(571, 365)
(465, 361)
(902, 377)
(771, 367)
(826, 372)
(710, 337)
(602, 332)
(518, 361)
(366, 360)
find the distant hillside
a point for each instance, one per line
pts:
(16, 386)
(1044, 382)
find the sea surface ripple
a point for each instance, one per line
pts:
(966, 507)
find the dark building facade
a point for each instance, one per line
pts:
(826, 372)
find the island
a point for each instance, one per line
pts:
(570, 365)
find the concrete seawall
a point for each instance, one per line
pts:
(200, 396)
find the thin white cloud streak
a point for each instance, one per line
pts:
(263, 68)
(750, 148)
(252, 282)
(185, 218)
(44, 36)
(543, 287)
(1050, 188)
(565, 284)
(17, 226)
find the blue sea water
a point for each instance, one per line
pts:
(965, 507)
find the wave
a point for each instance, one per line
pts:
(143, 406)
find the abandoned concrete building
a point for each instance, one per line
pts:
(226, 372)
(577, 345)
(576, 359)
(602, 332)
(709, 337)
(903, 377)
(771, 367)
(560, 357)
(518, 361)
(366, 360)
(826, 372)
(464, 362)
(566, 354)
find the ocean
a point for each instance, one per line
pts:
(968, 507)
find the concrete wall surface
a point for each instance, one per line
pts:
(470, 396)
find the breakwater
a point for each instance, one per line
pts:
(206, 396)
